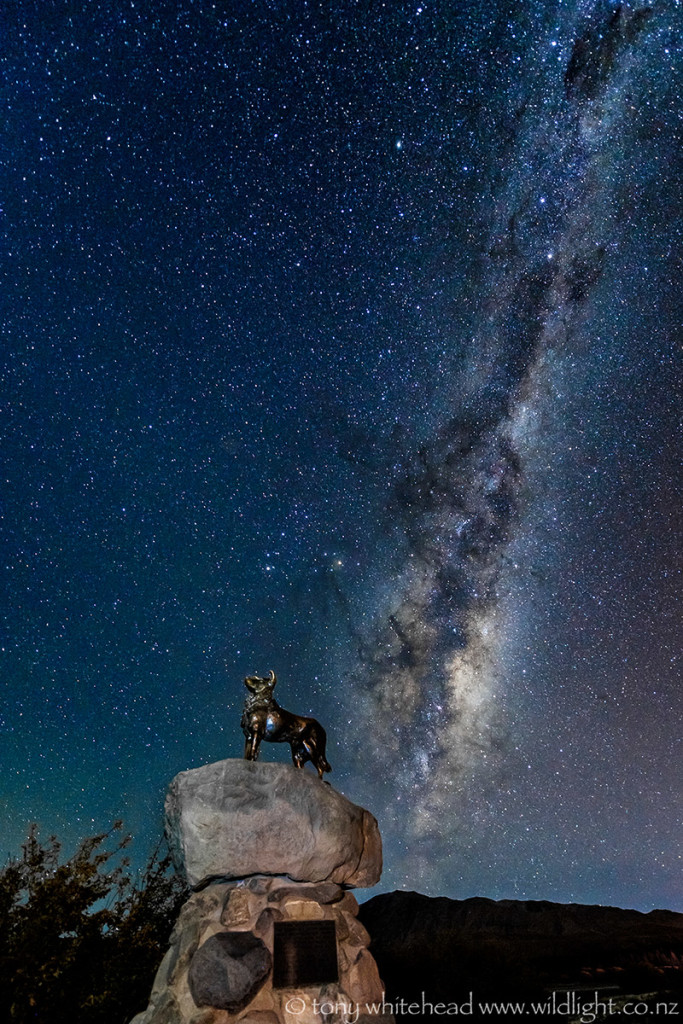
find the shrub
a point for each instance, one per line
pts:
(80, 940)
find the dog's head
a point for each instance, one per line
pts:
(261, 687)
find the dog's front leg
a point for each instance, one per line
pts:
(252, 745)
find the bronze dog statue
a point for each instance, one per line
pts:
(264, 719)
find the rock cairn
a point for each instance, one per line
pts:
(266, 847)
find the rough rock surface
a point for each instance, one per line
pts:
(235, 818)
(217, 970)
(228, 970)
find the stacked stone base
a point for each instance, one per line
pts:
(205, 979)
(264, 844)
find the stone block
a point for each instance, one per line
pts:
(227, 971)
(238, 818)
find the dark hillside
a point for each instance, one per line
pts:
(527, 950)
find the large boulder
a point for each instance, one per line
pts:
(236, 818)
(228, 970)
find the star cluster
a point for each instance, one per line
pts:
(344, 339)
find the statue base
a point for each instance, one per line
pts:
(267, 950)
(271, 934)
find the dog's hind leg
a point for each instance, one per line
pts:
(317, 758)
(298, 756)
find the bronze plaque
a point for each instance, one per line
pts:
(304, 953)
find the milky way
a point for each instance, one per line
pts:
(342, 340)
(437, 674)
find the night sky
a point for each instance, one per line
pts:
(343, 339)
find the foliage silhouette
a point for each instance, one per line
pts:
(80, 941)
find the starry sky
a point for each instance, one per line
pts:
(343, 339)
